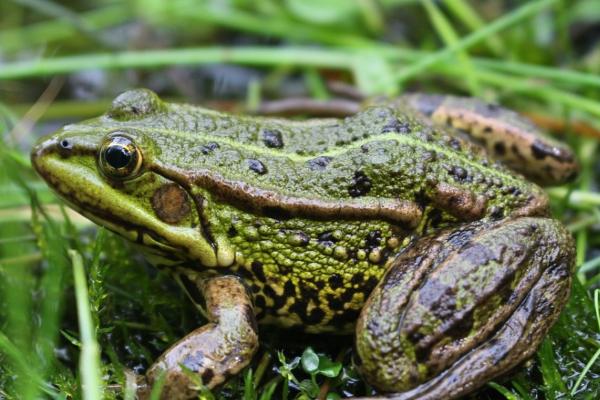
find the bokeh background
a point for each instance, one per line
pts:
(64, 61)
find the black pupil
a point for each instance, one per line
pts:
(118, 156)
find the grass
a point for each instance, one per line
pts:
(79, 310)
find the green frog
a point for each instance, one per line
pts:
(409, 223)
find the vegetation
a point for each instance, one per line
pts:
(80, 312)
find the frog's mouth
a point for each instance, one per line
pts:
(76, 180)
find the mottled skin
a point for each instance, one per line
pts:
(296, 223)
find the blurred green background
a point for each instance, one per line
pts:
(63, 61)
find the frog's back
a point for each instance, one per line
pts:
(380, 155)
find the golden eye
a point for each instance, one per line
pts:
(120, 158)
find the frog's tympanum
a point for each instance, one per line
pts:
(402, 223)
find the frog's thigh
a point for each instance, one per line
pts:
(457, 310)
(507, 136)
(218, 349)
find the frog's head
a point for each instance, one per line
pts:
(105, 168)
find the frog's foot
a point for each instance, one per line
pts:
(215, 351)
(506, 135)
(459, 309)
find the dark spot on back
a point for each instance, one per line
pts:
(272, 138)
(326, 238)
(209, 148)
(319, 163)
(459, 173)
(361, 184)
(455, 144)
(257, 166)
(397, 126)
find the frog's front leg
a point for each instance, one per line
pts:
(459, 309)
(507, 136)
(216, 350)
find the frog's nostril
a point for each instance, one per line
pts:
(65, 144)
(65, 147)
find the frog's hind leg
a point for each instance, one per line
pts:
(216, 350)
(506, 135)
(457, 310)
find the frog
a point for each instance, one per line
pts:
(419, 224)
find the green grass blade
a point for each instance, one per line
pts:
(525, 11)
(450, 38)
(151, 59)
(89, 362)
(585, 371)
(57, 10)
(589, 265)
(504, 391)
(29, 36)
(597, 306)
(550, 373)
(468, 16)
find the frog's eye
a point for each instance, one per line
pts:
(120, 158)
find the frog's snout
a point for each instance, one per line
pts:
(40, 152)
(47, 149)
